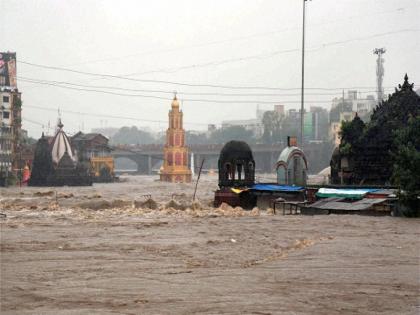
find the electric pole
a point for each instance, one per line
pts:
(302, 106)
(379, 72)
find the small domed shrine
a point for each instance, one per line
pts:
(175, 165)
(292, 166)
(236, 174)
(236, 165)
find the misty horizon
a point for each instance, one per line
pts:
(223, 60)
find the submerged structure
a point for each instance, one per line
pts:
(236, 165)
(292, 167)
(175, 166)
(42, 165)
(93, 149)
(56, 165)
(236, 171)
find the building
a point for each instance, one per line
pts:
(89, 145)
(319, 123)
(359, 104)
(279, 109)
(255, 125)
(10, 114)
(56, 164)
(345, 109)
(292, 166)
(175, 165)
(94, 147)
(5, 132)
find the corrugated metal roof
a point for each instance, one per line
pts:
(337, 204)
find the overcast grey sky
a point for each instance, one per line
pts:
(232, 43)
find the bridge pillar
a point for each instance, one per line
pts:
(271, 162)
(197, 162)
(149, 164)
(139, 166)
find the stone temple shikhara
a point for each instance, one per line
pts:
(55, 163)
(175, 166)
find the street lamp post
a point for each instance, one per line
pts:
(302, 106)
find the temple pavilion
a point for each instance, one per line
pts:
(175, 166)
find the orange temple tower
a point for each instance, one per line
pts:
(175, 165)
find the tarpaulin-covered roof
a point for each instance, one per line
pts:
(355, 193)
(273, 187)
(339, 204)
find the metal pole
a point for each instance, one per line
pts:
(198, 178)
(20, 166)
(302, 107)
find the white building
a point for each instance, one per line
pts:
(6, 135)
(361, 105)
(255, 125)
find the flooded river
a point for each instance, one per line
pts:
(144, 247)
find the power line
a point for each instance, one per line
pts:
(240, 38)
(33, 121)
(184, 99)
(56, 83)
(188, 84)
(108, 116)
(263, 55)
(124, 77)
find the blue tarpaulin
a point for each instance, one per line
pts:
(271, 187)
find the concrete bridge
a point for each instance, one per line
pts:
(148, 158)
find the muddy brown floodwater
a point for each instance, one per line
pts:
(109, 249)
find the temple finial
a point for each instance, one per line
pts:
(406, 86)
(175, 95)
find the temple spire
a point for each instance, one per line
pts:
(406, 85)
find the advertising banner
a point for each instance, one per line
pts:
(8, 70)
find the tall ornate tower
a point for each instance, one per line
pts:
(175, 165)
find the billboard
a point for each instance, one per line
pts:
(8, 70)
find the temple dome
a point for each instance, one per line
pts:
(61, 145)
(236, 165)
(235, 150)
(287, 153)
(175, 102)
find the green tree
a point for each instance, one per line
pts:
(372, 146)
(406, 172)
(196, 138)
(132, 135)
(351, 134)
(239, 133)
(272, 122)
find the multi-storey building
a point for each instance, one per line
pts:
(345, 108)
(10, 114)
